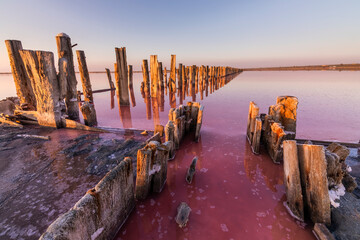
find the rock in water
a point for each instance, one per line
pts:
(183, 212)
(191, 170)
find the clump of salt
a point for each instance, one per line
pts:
(335, 194)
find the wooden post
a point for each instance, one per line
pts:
(161, 159)
(145, 71)
(85, 78)
(111, 83)
(255, 143)
(172, 79)
(23, 86)
(41, 70)
(199, 123)
(89, 114)
(253, 113)
(154, 75)
(64, 49)
(314, 182)
(130, 85)
(122, 79)
(288, 112)
(143, 180)
(292, 180)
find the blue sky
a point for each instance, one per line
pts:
(236, 33)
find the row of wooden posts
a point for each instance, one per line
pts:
(310, 170)
(188, 77)
(55, 97)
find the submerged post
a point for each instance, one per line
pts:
(64, 49)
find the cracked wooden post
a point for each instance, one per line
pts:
(130, 85)
(255, 143)
(161, 159)
(85, 78)
(172, 79)
(143, 180)
(64, 49)
(288, 112)
(23, 86)
(199, 123)
(154, 75)
(41, 70)
(253, 113)
(145, 72)
(314, 182)
(121, 79)
(111, 83)
(169, 137)
(292, 180)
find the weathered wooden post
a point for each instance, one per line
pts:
(288, 112)
(253, 113)
(122, 76)
(42, 73)
(145, 71)
(172, 79)
(154, 75)
(143, 180)
(130, 85)
(85, 78)
(161, 160)
(292, 179)
(111, 83)
(314, 182)
(199, 123)
(255, 143)
(161, 76)
(64, 49)
(87, 109)
(191, 171)
(22, 82)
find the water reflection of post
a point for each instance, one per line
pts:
(112, 99)
(147, 100)
(155, 108)
(162, 98)
(172, 99)
(125, 115)
(181, 96)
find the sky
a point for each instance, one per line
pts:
(237, 33)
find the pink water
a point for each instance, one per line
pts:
(235, 194)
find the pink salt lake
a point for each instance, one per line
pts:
(234, 194)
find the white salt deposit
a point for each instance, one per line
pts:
(335, 194)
